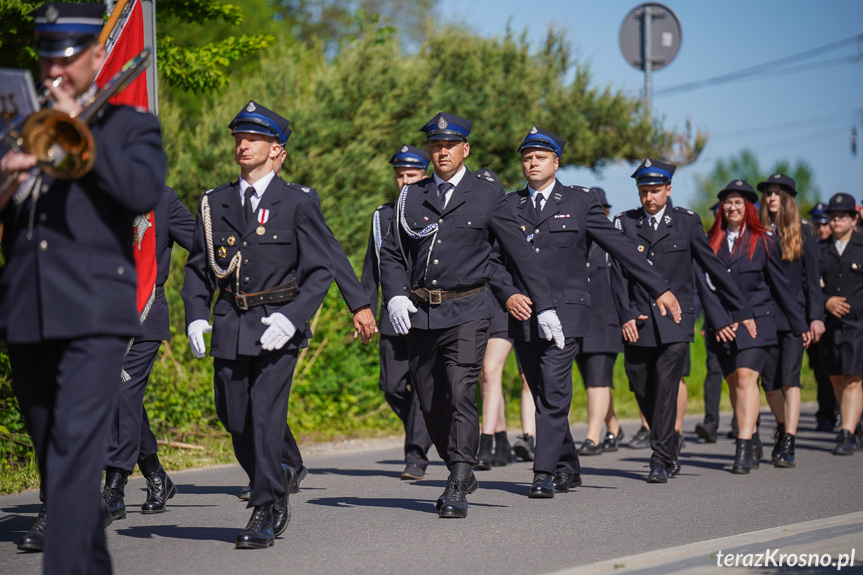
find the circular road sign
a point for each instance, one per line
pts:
(666, 36)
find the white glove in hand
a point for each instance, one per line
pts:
(400, 308)
(280, 331)
(550, 326)
(195, 332)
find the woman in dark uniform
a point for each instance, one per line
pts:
(842, 348)
(799, 247)
(751, 254)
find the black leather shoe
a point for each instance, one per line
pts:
(564, 481)
(454, 505)
(502, 450)
(673, 470)
(742, 457)
(484, 455)
(245, 492)
(302, 472)
(34, 540)
(542, 486)
(785, 458)
(641, 439)
(845, 443)
(611, 442)
(471, 487)
(412, 471)
(823, 423)
(113, 492)
(778, 435)
(705, 432)
(590, 448)
(282, 505)
(523, 446)
(160, 488)
(658, 473)
(757, 450)
(258, 533)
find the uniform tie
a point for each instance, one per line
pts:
(538, 203)
(247, 205)
(653, 223)
(443, 189)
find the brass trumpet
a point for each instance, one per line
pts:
(63, 144)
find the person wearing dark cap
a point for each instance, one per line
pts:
(672, 239)
(752, 256)
(598, 351)
(410, 165)
(434, 271)
(842, 344)
(68, 299)
(266, 247)
(560, 222)
(799, 248)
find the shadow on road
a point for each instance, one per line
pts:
(16, 521)
(195, 532)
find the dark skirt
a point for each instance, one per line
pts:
(783, 363)
(842, 347)
(499, 327)
(597, 369)
(752, 358)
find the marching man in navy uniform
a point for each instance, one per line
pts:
(265, 245)
(655, 348)
(559, 223)
(434, 269)
(410, 165)
(67, 299)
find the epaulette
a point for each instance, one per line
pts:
(580, 188)
(682, 210)
(217, 188)
(484, 177)
(304, 189)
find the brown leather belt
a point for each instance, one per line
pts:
(283, 293)
(436, 296)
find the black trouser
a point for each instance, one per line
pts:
(827, 407)
(445, 364)
(548, 371)
(67, 390)
(403, 398)
(130, 439)
(251, 396)
(654, 375)
(291, 455)
(712, 391)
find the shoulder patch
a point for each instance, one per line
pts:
(617, 223)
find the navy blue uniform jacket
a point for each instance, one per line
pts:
(804, 273)
(381, 226)
(476, 215)
(561, 237)
(296, 244)
(764, 281)
(605, 336)
(173, 223)
(843, 276)
(678, 242)
(75, 275)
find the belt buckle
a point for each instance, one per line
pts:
(241, 302)
(435, 296)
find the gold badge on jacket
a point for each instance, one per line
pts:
(641, 249)
(222, 252)
(231, 240)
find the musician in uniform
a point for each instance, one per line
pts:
(410, 165)
(67, 295)
(671, 238)
(435, 265)
(265, 245)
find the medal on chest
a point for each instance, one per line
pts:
(263, 216)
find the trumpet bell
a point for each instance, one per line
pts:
(63, 145)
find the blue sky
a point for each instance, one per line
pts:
(806, 115)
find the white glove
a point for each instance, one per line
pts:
(280, 331)
(195, 332)
(550, 326)
(400, 308)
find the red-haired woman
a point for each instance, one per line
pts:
(751, 255)
(781, 376)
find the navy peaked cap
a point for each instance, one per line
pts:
(740, 186)
(410, 157)
(256, 119)
(447, 127)
(842, 202)
(653, 172)
(63, 29)
(539, 138)
(787, 183)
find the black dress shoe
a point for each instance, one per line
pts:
(673, 470)
(454, 505)
(845, 443)
(245, 492)
(524, 446)
(590, 448)
(786, 456)
(484, 454)
(611, 441)
(705, 432)
(502, 450)
(282, 505)
(641, 439)
(778, 435)
(471, 487)
(658, 473)
(34, 540)
(412, 471)
(160, 488)
(302, 472)
(564, 481)
(542, 486)
(113, 492)
(258, 533)
(742, 457)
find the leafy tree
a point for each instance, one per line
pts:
(745, 166)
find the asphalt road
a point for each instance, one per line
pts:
(354, 515)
